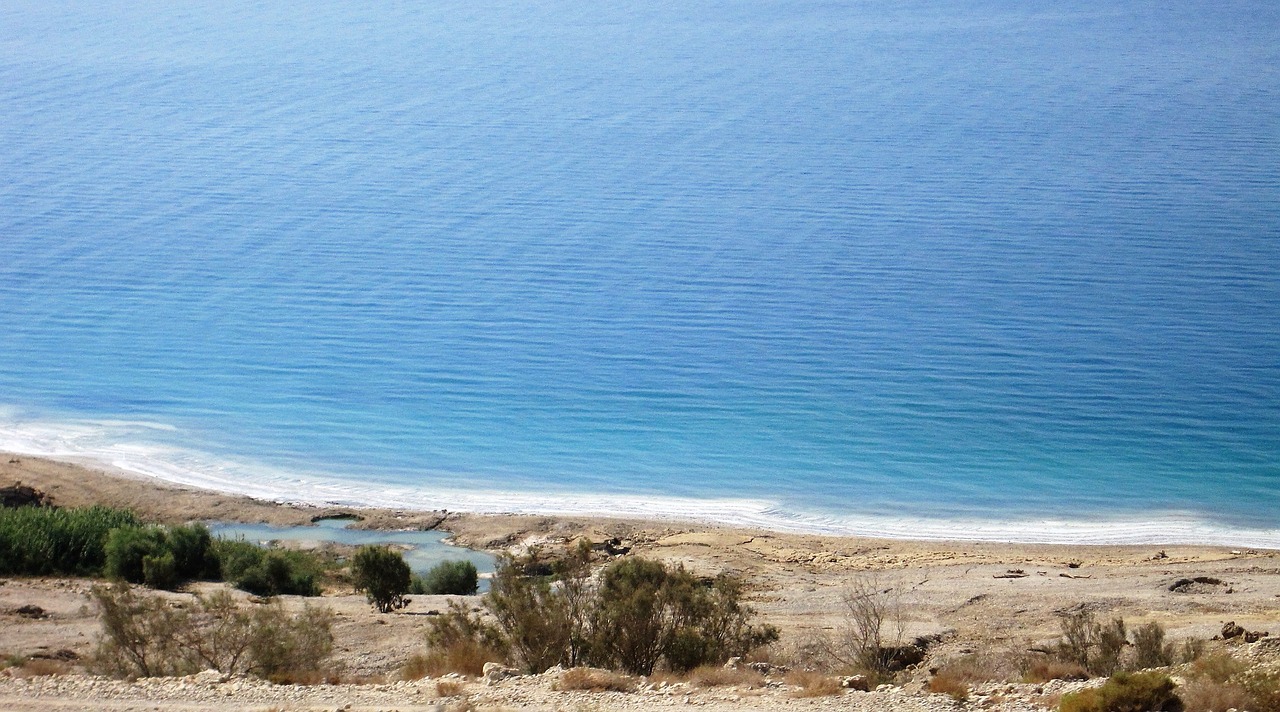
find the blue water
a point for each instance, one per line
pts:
(958, 263)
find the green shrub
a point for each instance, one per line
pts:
(383, 576)
(139, 635)
(541, 625)
(159, 557)
(641, 613)
(39, 541)
(195, 558)
(268, 572)
(645, 612)
(1111, 639)
(159, 571)
(458, 578)
(127, 547)
(1126, 692)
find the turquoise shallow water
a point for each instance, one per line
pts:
(929, 269)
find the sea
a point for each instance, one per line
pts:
(957, 269)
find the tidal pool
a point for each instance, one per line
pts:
(426, 548)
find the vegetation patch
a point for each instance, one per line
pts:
(951, 685)
(638, 614)
(41, 541)
(1127, 692)
(458, 578)
(720, 676)
(813, 684)
(595, 680)
(144, 635)
(269, 572)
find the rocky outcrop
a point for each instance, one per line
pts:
(20, 495)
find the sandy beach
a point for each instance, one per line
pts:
(977, 596)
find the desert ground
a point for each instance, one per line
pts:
(972, 596)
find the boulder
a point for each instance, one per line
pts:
(497, 672)
(856, 682)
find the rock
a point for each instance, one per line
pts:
(30, 611)
(856, 682)
(1253, 636)
(1231, 630)
(207, 677)
(733, 663)
(1199, 584)
(613, 547)
(496, 672)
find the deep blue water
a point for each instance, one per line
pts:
(956, 262)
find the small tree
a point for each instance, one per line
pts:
(632, 621)
(458, 578)
(1151, 649)
(383, 576)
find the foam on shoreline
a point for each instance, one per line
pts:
(108, 444)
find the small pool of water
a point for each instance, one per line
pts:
(426, 549)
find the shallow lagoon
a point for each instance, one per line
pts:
(426, 549)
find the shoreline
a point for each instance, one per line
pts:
(317, 491)
(997, 597)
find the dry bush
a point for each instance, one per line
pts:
(1150, 647)
(461, 641)
(1191, 650)
(1205, 695)
(1263, 687)
(946, 684)
(305, 677)
(145, 636)
(813, 684)
(595, 680)
(448, 688)
(1046, 670)
(1094, 646)
(465, 657)
(716, 676)
(40, 667)
(873, 626)
(984, 667)
(1220, 667)
(415, 668)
